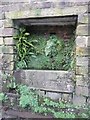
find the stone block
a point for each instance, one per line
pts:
(82, 61)
(8, 23)
(82, 51)
(82, 70)
(1, 41)
(75, 10)
(9, 41)
(1, 23)
(79, 100)
(83, 91)
(83, 30)
(82, 41)
(6, 49)
(83, 18)
(11, 7)
(6, 32)
(54, 96)
(48, 80)
(8, 57)
(46, 5)
(8, 66)
(81, 80)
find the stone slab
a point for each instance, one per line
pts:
(45, 79)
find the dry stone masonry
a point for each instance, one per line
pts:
(11, 10)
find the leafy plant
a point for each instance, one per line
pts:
(22, 46)
(3, 97)
(40, 52)
(30, 99)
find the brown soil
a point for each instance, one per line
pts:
(17, 114)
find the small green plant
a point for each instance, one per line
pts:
(31, 100)
(3, 97)
(23, 45)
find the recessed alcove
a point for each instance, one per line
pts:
(64, 26)
(50, 81)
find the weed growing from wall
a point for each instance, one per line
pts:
(46, 53)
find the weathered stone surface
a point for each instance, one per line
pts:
(8, 23)
(46, 5)
(82, 51)
(9, 41)
(8, 58)
(49, 80)
(81, 81)
(82, 41)
(46, 12)
(82, 61)
(81, 70)
(83, 91)
(54, 96)
(75, 10)
(83, 18)
(6, 49)
(79, 100)
(1, 41)
(83, 30)
(6, 32)
(67, 97)
(8, 66)
(1, 23)
(2, 15)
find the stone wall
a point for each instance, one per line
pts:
(17, 9)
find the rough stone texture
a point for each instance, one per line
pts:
(81, 81)
(8, 57)
(67, 97)
(8, 23)
(54, 96)
(2, 15)
(82, 41)
(9, 41)
(83, 30)
(1, 23)
(79, 100)
(56, 81)
(6, 32)
(43, 12)
(82, 51)
(6, 49)
(81, 70)
(10, 66)
(82, 90)
(82, 61)
(83, 18)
